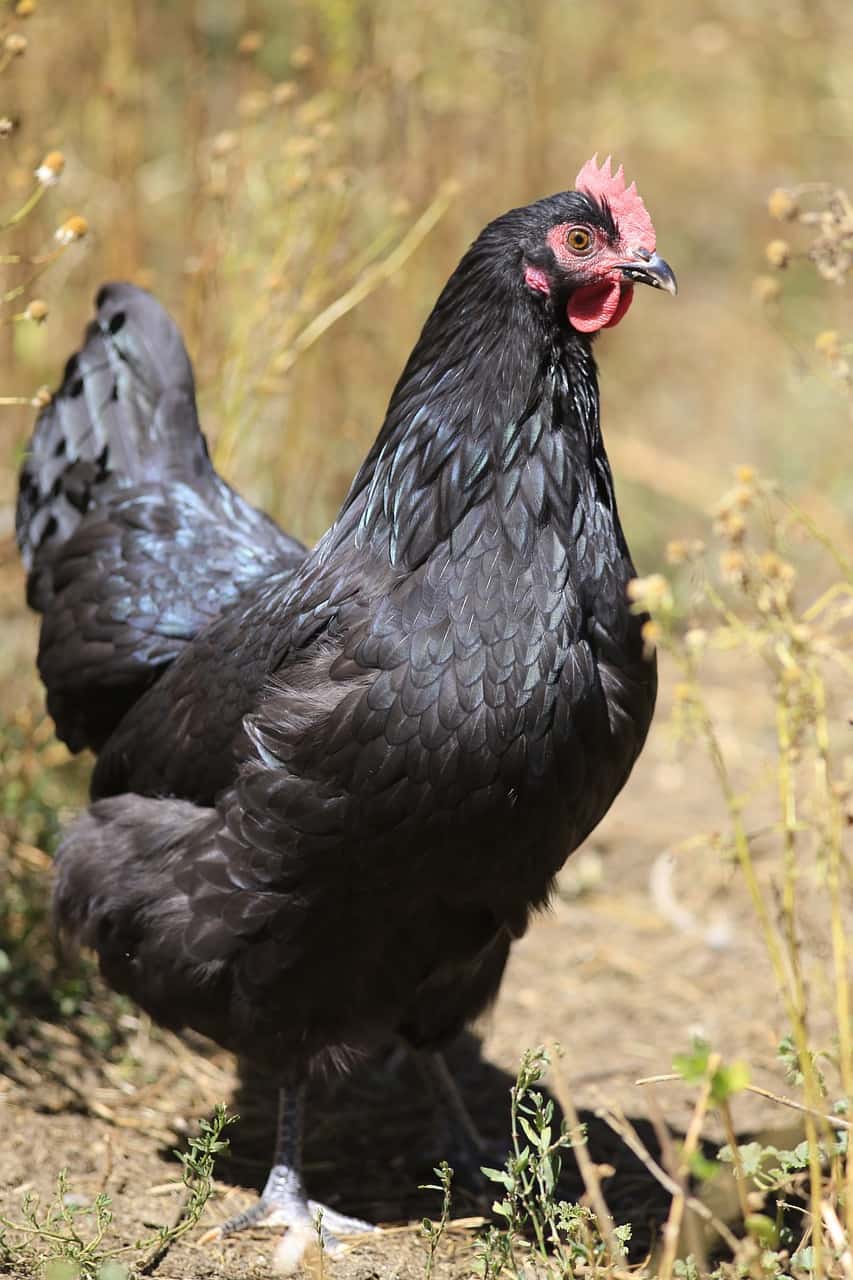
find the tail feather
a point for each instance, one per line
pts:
(131, 540)
(124, 414)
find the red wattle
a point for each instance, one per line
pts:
(599, 306)
(626, 297)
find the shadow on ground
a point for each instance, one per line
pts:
(371, 1144)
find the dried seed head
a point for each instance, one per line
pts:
(7, 127)
(302, 57)
(771, 599)
(249, 43)
(826, 343)
(251, 105)
(792, 675)
(224, 142)
(782, 205)
(683, 550)
(73, 228)
(24, 8)
(745, 474)
(297, 180)
(743, 495)
(696, 639)
(650, 593)
(42, 398)
(766, 290)
(773, 566)
(733, 567)
(677, 551)
(37, 310)
(682, 692)
(284, 92)
(50, 170)
(15, 44)
(778, 253)
(730, 525)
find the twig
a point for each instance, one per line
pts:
(368, 280)
(626, 1131)
(737, 1160)
(694, 1236)
(588, 1171)
(672, 1226)
(835, 1121)
(838, 1238)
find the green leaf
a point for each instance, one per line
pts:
(529, 1132)
(61, 1269)
(548, 1176)
(112, 1270)
(796, 1159)
(693, 1066)
(763, 1229)
(752, 1156)
(729, 1080)
(703, 1168)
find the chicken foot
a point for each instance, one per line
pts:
(284, 1201)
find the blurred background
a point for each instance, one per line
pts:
(296, 179)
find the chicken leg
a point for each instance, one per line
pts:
(465, 1149)
(284, 1201)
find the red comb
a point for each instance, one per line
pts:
(629, 212)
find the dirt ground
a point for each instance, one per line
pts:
(642, 949)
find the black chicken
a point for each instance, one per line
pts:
(331, 786)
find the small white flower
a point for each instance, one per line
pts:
(73, 228)
(50, 170)
(46, 177)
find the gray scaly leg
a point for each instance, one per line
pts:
(284, 1202)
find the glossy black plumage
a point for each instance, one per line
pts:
(131, 540)
(332, 786)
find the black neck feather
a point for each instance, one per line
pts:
(496, 411)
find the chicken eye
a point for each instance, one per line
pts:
(579, 239)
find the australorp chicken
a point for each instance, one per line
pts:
(333, 785)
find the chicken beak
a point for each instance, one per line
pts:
(648, 268)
